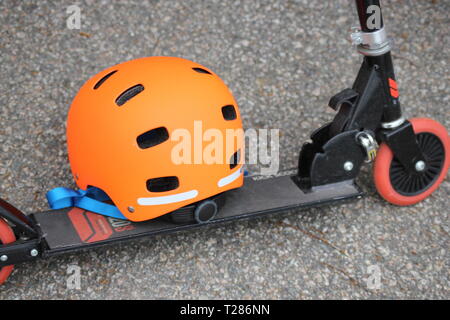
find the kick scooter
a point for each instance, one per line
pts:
(411, 160)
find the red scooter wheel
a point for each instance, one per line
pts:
(6, 236)
(402, 188)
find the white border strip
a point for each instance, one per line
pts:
(154, 201)
(229, 179)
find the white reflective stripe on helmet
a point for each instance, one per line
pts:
(229, 179)
(154, 201)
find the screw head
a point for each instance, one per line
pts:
(348, 166)
(34, 253)
(4, 258)
(420, 166)
(131, 209)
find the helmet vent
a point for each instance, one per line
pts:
(235, 158)
(201, 70)
(152, 138)
(229, 112)
(129, 94)
(162, 184)
(102, 80)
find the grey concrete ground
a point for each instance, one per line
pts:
(283, 60)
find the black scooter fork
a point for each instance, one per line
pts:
(373, 43)
(369, 113)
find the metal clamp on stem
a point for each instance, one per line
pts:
(393, 124)
(370, 43)
(370, 145)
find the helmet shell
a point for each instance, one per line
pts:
(111, 114)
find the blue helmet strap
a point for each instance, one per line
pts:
(92, 199)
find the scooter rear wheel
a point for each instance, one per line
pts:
(402, 188)
(6, 236)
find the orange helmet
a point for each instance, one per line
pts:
(125, 126)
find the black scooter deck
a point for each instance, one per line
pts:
(74, 229)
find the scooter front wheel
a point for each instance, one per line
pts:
(402, 188)
(6, 236)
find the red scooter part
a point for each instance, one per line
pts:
(6, 236)
(401, 188)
